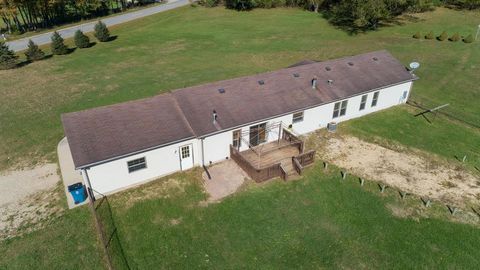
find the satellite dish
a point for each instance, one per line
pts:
(414, 65)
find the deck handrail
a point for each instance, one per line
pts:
(257, 174)
(297, 166)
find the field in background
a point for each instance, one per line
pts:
(190, 46)
(318, 221)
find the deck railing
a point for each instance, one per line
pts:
(302, 160)
(260, 174)
(288, 136)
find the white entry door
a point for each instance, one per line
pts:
(186, 157)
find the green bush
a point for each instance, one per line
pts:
(33, 53)
(429, 35)
(417, 35)
(240, 5)
(468, 39)
(455, 37)
(443, 36)
(8, 58)
(81, 40)
(101, 32)
(57, 45)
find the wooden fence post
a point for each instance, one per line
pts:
(362, 181)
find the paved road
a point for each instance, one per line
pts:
(21, 44)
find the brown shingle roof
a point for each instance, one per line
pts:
(111, 131)
(246, 101)
(107, 132)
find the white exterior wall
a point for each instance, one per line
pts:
(217, 147)
(113, 176)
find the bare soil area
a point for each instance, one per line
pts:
(28, 197)
(407, 171)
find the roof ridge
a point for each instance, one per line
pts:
(182, 113)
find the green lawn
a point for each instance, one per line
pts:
(319, 221)
(190, 46)
(312, 223)
(66, 242)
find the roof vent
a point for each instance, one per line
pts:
(221, 91)
(214, 116)
(314, 83)
(330, 81)
(296, 75)
(350, 63)
(328, 68)
(375, 59)
(261, 82)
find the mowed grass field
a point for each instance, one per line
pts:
(190, 46)
(316, 222)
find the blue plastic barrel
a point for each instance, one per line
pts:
(78, 192)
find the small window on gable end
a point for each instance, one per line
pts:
(297, 117)
(136, 164)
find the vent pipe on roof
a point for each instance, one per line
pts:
(314, 83)
(330, 81)
(214, 115)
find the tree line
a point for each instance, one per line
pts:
(20, 16)
(354, 15)
(9, 60)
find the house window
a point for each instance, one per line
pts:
(237, 141)
(297, 117)
(136, 164)
(375, 99)
(185, 152)
(363, 102)
(340, 108)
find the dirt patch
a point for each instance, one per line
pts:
(165, 189)
(403, 170)
(28, 197)
(226, 178)
(30, 213)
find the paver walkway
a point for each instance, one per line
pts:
(41, 39)
(227, 177)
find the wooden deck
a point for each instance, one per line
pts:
(271, 153)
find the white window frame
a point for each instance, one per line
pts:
(375, 98)
(297, 117)
(136, 164)
(363, 102)
(340, 108)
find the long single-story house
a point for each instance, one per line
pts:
(126, 144)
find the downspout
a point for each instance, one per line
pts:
(86, 179)
(203, 154)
